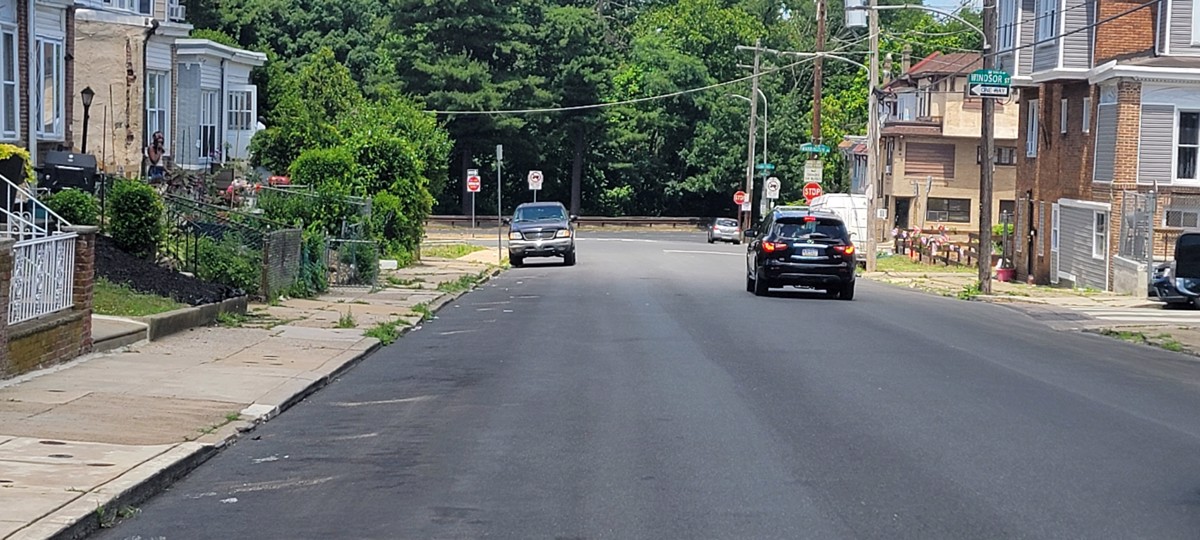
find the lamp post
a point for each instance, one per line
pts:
(87, 94)
(764, 130)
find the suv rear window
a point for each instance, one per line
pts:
(726, 222)
(810, 229)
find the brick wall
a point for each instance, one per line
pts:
(1128, 36)
(55, 338)
(1061, 170)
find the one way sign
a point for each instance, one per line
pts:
(983, 90)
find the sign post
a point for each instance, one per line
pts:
(535, 183)
(989, 83)
(473, 185)
(499, 205)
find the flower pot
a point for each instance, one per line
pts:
(1005, 274)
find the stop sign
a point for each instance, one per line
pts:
(812, 190)
(739, 198)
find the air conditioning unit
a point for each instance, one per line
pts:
(177, 13)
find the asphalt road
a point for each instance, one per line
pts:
(644, 394)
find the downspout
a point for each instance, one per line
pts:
(221, 110)
(145, 59)
(31, 74)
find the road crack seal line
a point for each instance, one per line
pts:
(382, 401)
(278, 484)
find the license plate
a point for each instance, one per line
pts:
(808, 252)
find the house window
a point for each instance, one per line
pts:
(1087, 115)
(1099, 235)
(1062, 116)
(210, 107)
(50, 106)
(1189, 143)
(157, 99)
(1046, 12)
(1031, 129)
(9, 106)
(1181, 218)
(241, 117)
(948, 210)
(145, 7)
(1005, 155)
(1007, 26)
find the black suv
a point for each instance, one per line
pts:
(541, 229)
(801, 247)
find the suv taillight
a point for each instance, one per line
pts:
(772, 247)
(844, 250)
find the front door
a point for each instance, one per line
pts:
(902, 206)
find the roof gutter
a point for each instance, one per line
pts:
(145, 59)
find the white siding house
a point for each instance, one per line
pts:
(217, 105)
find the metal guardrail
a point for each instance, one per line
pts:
(591, 221)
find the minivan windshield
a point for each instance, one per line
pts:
(540, 213)
(810, 229)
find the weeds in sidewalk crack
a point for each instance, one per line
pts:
(347, 320)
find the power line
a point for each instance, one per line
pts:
(625, 102)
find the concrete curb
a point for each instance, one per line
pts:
(159, 480)
(173, 322)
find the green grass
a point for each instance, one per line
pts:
(901, 263)
(404, 282)
(463, 283)
(423, 310)
(969, 291)
(230, 319)
(385, 332)
(347, 320)
(121, 301)
(449, 251)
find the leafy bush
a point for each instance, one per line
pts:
(361, 260)
(75, 206)
(136, 218)
(321, 212)
(229, 262)
(1001, 229)
(324, 167)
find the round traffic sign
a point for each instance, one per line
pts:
(812, 190)
(739, 198)
(473, 184)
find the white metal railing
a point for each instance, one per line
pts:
(25, 217)
(43, 277)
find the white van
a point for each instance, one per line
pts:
(851, 208)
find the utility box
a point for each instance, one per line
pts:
(856, 18)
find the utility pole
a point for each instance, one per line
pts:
(748, 217)
(988, 150)
(875, 180)
(818, 73)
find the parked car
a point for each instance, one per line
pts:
(801, 248)
(541, 229)
(1178, 282)
(725, 230)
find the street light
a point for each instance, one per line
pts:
(87, 95)
(764, 100)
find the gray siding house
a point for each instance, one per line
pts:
(217, 111)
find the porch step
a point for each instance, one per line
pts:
(109, 333)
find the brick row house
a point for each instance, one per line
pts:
(1110, 106)
(930, 144)
(147, 76)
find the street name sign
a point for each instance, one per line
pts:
(814, 148)
(989, 83)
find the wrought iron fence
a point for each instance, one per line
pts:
(26, 218)
(1137, 226)
(43, 277)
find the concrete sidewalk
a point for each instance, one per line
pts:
(956, 283)
(82, 444)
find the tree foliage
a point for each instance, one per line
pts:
(356, 75)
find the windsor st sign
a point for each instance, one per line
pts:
(989, 83)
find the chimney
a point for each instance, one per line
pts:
(888, 74)
(906, 59)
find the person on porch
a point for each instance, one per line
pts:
(154, 156)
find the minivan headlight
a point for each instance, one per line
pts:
(515, 236)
